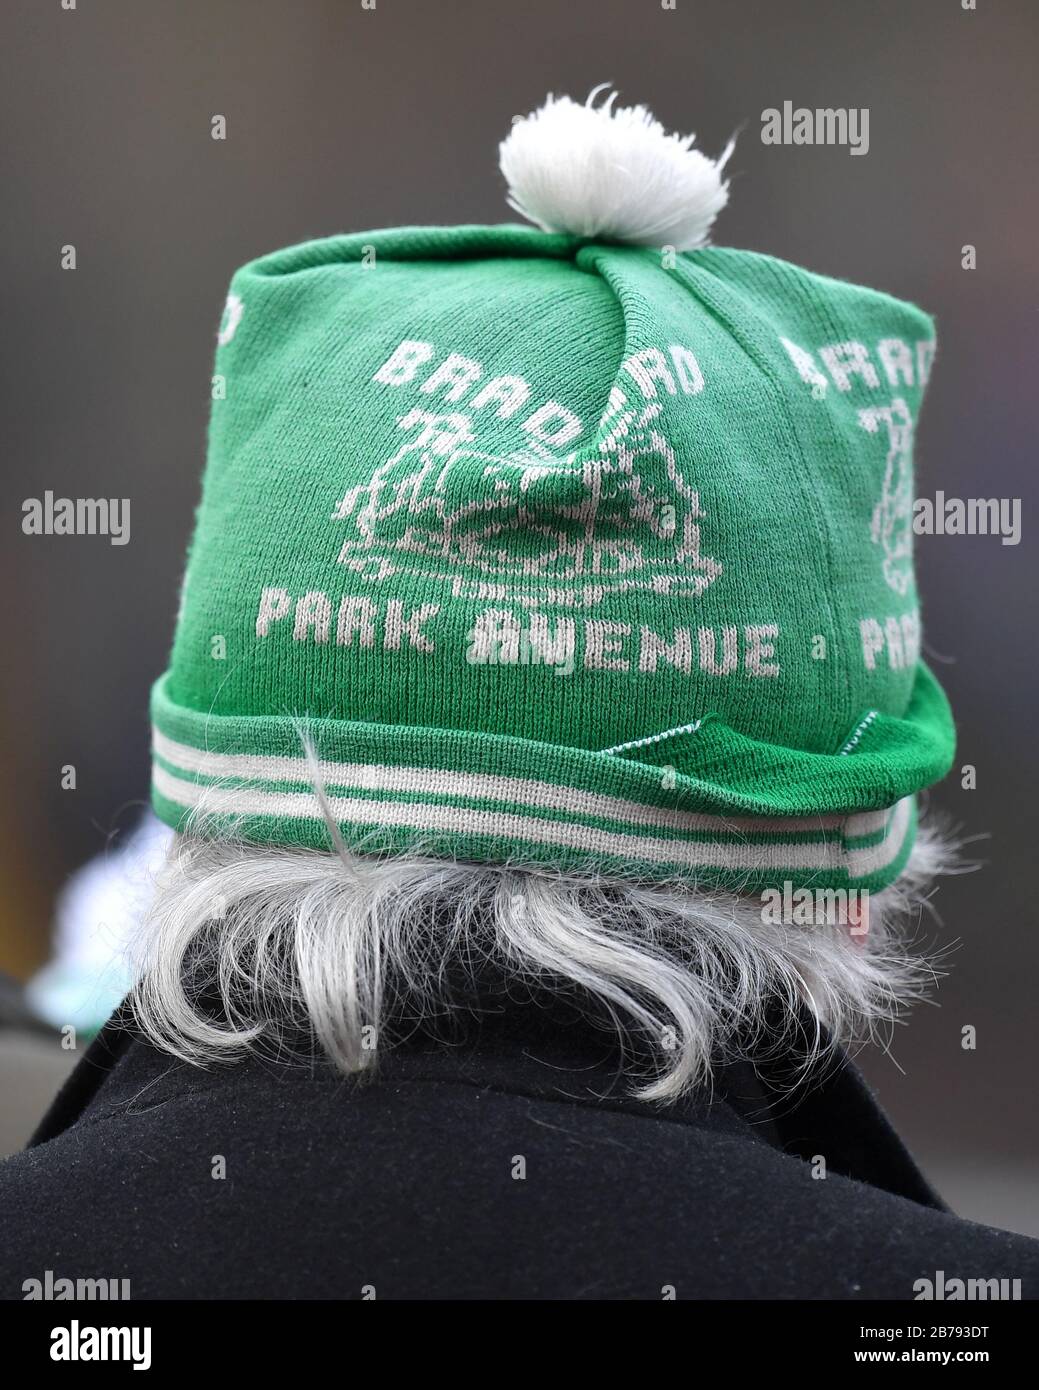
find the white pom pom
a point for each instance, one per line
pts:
(611, 173)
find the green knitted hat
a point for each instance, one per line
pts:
(587, 546)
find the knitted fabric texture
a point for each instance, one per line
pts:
(561, 553)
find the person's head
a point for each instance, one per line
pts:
(550, 624)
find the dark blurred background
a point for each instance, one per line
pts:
(342, 118)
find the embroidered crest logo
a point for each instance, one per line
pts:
(528, 526)
(892, 523)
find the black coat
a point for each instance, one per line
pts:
(511, 1167)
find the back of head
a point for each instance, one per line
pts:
(550, 623)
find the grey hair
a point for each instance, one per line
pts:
(254, 948)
